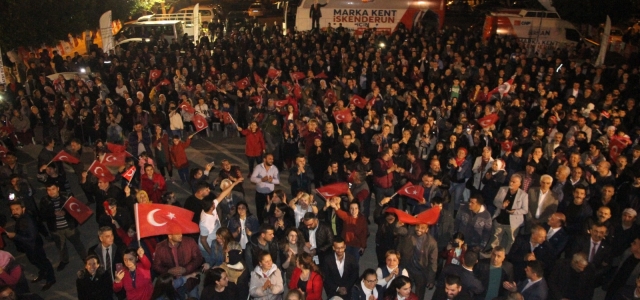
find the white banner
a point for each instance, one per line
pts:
(108, 42)
(3, 80)
(196, 23)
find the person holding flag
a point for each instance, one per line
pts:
(61, 224)
(153, 183)
(179, 156)
(135, 278)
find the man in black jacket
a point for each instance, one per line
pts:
(61, 224)
(321, 242)
(572, 278)
(521, 252)
(495, 266)
(28, 241)
(262, 240)
(101, 191)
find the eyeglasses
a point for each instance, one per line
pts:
(371, 281)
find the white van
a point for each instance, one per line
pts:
(169, 30)
(208, 13)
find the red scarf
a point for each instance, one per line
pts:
(459, 161)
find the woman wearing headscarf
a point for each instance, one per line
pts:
(12, 274)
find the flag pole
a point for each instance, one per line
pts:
(135, 209)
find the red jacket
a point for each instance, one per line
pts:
(314, 284)
(178, 156)
(354, 230)
(144, 285)
(255, 142)
(154, 187)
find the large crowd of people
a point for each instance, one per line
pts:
(532, 160)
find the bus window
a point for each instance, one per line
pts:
(572, 35)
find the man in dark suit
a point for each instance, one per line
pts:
(572, 278)
(534, 287)
(543, 202)
(597, 249)
(340, 271)
(531, 247)
(556, 235)
(483, 271)
(108, 253)
(471, 285)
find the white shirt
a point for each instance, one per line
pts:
(529, 284)
(367, 292)
(533, 247)
(312, 241)
(209, 225)
(243, 233)
(104, 256)
(383, 282)
(340, 264)
(551, 232)
(540, 200)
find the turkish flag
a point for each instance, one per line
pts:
(114, 159)
(200, 122)
(256, 99)
(488, 120)
(297, 75)
(502, 89)
(273, 73)
(297, 91)
(78, 210)
(128, 174)
(342, 116)
(116, 148)
(329, 93)
(333, 190)
(506, 146)
(258, 79)
(429, 216)
(99, 170)
(186, 106)
(281, 103)
(155, 74)
(358, 101)
(165, 82)
(321, 75)
(227, 118)
(243, 83)
(210, 87)
(616, 146)
(65, 157)
(160, 219)
(414, 192)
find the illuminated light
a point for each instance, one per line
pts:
(382, 45)
(83, 70)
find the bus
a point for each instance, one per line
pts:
(173, 29)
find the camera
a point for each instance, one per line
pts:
(455, 244)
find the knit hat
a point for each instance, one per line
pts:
(235, 256)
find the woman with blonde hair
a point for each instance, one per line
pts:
(301, 204)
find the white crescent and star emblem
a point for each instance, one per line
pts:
(130, 172)
(411, 191)
(328, 194)
(199, 124)
(99, 171)
(340, 117)
(62, 157)
(76, 209)
(152, 221)
(110, 158)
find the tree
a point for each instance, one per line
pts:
(32, 23)
(594, 12)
